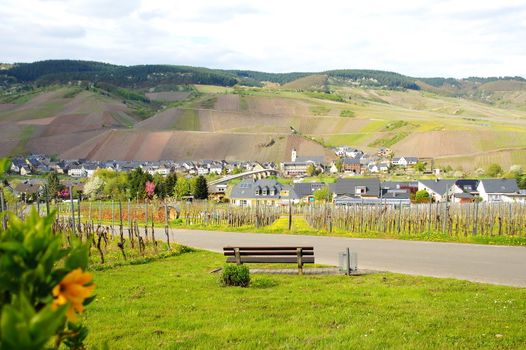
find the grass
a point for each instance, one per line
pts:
(347, 113)
(189, 120)
(176, 303)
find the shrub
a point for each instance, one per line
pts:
(235, 275)
(43, 284)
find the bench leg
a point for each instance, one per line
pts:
(238, 256)
(299, 254)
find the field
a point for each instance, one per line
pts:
(227, 123)
(177, 303)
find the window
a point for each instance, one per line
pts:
(243, 202)
(360, 189)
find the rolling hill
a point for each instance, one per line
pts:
(465, 123)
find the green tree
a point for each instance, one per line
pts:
(323, 194)
(136, 183)
(201, 188)
(169, 184)
(494, 170)
(422, 196)
(311, 170)
(339, 165)
(53, 185)
(420, 166)
(182, 188)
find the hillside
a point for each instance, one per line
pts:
(466, 123)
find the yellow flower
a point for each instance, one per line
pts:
(74, 288)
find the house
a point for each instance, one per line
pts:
(464, 191)
(346, 151)
(439, 190)
(28, 191)
(404, 161)
(298, 165)
(217, 192)
(304, 191)
(500, 190)
(350, 191)
(352, 166)
(398, 190)
(378, 168)
(249, 193)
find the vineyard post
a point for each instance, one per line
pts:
(72, 209)
(475, 223)
(166, 228)
(4, 216)
(112, 215)
(47, 200)
(89, 212)
(129, 216)
(78, 210)
(120, 222)
(429, 217)
(290, 214)
(38, 204)
(399, 215)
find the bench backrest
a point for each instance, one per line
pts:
(275, 254)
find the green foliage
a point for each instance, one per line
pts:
(347, 113)
(422, 196)
(235, 275)
(137, 182)
(53, 185)
(201, 188)
(494, 170)
(182, 188)
(420, 166)
(311, 170)
(323, 194)
(397, 124)
(320, 110)
(325, 96)
(34, 261)
(375, 78)
(63, 71)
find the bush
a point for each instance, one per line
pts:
(235, 275)
(43, 284)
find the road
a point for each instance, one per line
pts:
(473, 262)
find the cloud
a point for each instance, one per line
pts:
(416, 37)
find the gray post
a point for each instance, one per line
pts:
(429, 218)
(4, 221)
(72, 209)
(348, 272)
(290, 214)
(47, 200)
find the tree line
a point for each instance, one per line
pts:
(137, 184)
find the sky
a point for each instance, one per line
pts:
(421, 38)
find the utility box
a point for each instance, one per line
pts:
(348, 261)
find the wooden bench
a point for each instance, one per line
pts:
(264, 255)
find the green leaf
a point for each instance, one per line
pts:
(78, 257)
(5, 165)
(44, 325)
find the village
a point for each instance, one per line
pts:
(351, 178)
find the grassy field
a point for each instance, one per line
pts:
(176, 303)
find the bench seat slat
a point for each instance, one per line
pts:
(268, 259)
(267, 248)
(272, 253)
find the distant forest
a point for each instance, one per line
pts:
(142, 76)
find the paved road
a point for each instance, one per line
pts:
(479, 263)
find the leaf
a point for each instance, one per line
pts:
(44, 325)
(5, 165)
(78, 257)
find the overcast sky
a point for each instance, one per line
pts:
(457, 38)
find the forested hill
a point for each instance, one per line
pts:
(63, 71)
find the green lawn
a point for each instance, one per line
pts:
(177, 303)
